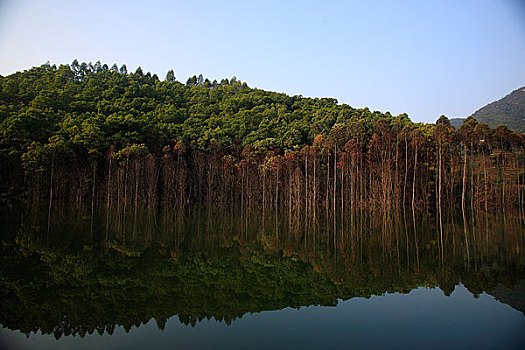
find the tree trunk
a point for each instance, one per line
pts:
(50, 193)
(126, 182)
(335, 176)
(315, 188)
(439, 201)
(264, 187)
(486, 184)
(94, 166)
(277, 189)
(464, 178)
(406, 173)
(414, 181)
(108, 196)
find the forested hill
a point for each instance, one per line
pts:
(93, 106)
(509, 111)
(90, 132)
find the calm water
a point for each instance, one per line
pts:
(212, 278)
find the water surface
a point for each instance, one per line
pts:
(215, 278)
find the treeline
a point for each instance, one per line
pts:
(85, 133)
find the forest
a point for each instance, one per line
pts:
(90, 134)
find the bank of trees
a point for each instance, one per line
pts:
(88, 133)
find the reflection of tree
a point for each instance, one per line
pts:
(222, 265)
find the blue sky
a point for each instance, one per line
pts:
(425, 58)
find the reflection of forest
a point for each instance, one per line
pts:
(78, 274)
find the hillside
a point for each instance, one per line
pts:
(510, 111)
(93, 133)
(456, 122)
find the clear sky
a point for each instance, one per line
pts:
(425, 58)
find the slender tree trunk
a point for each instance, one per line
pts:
(415, 236)
(503, 183)
(328, 182)
(50, 193)
(463, 201)
(277, 189)
(464, 178)
(315, 186)
(486, 184)
(179, 180)
(335, 176)
(520, 191)
(118, 187)
(264, 187)
(342, 190)
(394, 187)
(359, 180)
(472, 191)
(406, 173)
(295, 185)
(137, 169)
(94, 166)
(465, 230)
(126, 182)
(210, 180)
(452, 180)
(108, 196)
(440, 214)
(414, 181)
(242, 188)
(306, 185)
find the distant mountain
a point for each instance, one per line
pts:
(510, 111)
(514, 296)
(456, 122)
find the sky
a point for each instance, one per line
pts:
(423, 58)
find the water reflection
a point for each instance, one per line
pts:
(90, 274)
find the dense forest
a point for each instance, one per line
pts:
(100, 135)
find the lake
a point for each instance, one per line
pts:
(235, 278)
